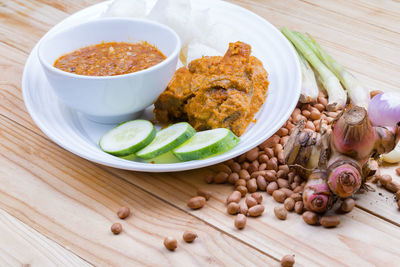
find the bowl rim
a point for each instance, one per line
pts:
(53, 69)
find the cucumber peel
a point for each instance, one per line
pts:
(206, 144)
(128, 137)
(167, 139)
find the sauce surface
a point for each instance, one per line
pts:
(109, 59)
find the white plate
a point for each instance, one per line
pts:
(76, 134)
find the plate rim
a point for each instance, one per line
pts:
(149, 167)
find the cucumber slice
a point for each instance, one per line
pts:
(167, 139)
(128, 137)
(206, 144)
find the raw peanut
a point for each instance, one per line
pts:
(315, 115)
(233, 208)
(123, 212)
(258, 173)
(320, 107)
(290, 177)
(296, 112)
(280, 213)
(347, 205)
(272, 187)
(170, 243)
(306, 107)
(258, 197)
(245, 165)
(297, 179)
(272, 140)
(296, 197)
(289, 204)
(189, 236)
(241, 182)
(398, 195)
(261, 183)
(229, 162)
(284, 140)
(221, 178)
(278, 148)
(255, 163)
(281, 157)
(281, 174)
(224, 168)
(290, 126)
(374, 93)
(240, 221)
(269, 152)
(253, 167)
(392, 186)
(282, 183)
(272, 164)
(241, 158)
(298, 189)
(330, 221)
(242, 189)
(398, 171)
(384, 179)
(279, 196)
(310, 125)
(256, 210)
(262, 166)
(196, 202)
(270, 175)
(252, 185)
(252, 154)
(298, 207)
(310, 217)
(235, 196)
(235, 167)
(243, 209)
(204, 193)
(233, 178)
(322, 100)
(287, 261)
(209, 178)
(250, 201)
(282, 132)
(293, 185)
(287, 191)
(263, 158)
(116, 228)
(284, 168)
(306, 113)
(244, 174)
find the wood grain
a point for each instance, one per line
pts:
(22, 246)
(74, 203)
(363, 35)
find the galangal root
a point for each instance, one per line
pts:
(336, 161)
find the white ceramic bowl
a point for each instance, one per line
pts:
(110, 99)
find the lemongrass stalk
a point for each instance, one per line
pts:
(309, 87)
(337, 96)
(357, 93)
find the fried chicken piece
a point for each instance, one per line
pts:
(222, 92)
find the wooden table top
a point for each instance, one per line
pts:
(56, 208)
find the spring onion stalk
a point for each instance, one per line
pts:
(309, 87)
(357, 93)
(337, 96)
